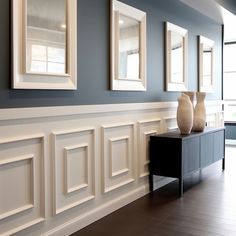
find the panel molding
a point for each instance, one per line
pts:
(20, 212)
(124, 170)
(145, 129)
(146, 161)
(32, 190)
(211, 119)
(66, 151)
(57, 209)
(113, 181)
(169, 119)
(117, 125)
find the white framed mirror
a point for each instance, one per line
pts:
(44, 44)
(206, 58)
(128, 47)
(176, 55)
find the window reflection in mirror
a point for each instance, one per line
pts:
(177, 57)
(129, 48)
(46, 36)
(206, 58)
(207, 65)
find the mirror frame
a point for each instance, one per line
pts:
(201, 41)
(23, 80)
(127, 84)
(169, 85)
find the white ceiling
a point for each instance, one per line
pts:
(209, 8)
(215, 11)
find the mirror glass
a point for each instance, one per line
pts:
(129, 48)
(177, 57)
(46, 36)
(207, 65)
(206, 68)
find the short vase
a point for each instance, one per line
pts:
(199, 120)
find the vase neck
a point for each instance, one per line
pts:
(200, 97)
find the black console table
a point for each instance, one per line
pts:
(174, 155)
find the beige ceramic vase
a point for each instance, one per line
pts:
(184, 114)
(191, 95)
(199, 121)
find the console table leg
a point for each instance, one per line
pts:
(223, 163)
(150, 182)
(181, 186)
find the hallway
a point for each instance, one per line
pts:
(208, 208)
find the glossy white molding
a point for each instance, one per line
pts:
(30, 205)
(67, 151)
(85, 178)
(66, 197)
(127, 84)
(21, 151)
(146, 128)
(125, 169)
(111, 134)
(59, 111)
(170, 123)
(22, 80)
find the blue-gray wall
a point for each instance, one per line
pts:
(93, 55)
(230, 131)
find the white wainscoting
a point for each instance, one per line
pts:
(62, 168)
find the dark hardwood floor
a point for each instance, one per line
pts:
(207, 208)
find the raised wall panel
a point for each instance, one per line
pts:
(24, 168)
(21, 183)
(118, 145)
(119, 164)
(220, 119)
(76, 158)
(211, 120)
(170, 124)
(73, 168)
(146, 129)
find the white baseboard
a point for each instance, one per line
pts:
(98, 213)
(230, 142)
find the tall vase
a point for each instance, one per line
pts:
(199, 121)
(184, 114)
(191, 95)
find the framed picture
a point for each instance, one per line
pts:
(128, 47)
(44, 44)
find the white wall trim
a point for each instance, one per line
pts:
(37, 203)
(99, 212)
(107, 208)
(55, 136)
(95, 188)
(40, 112)
(230, 142)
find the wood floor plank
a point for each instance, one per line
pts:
(207, 208)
